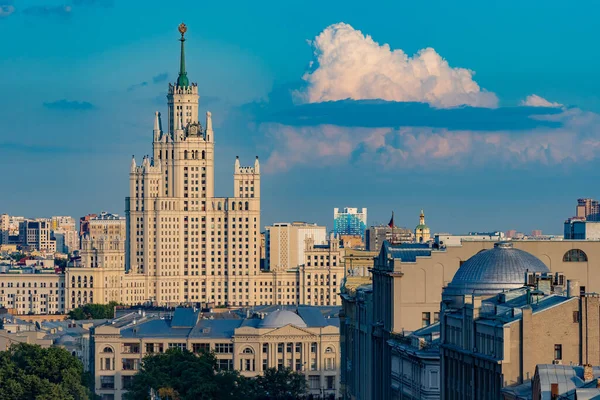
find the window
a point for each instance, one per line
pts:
(314, 382)
(130, 364)
(313, 347)
(223, 348)
(575, 316)
(434, 380)
(265, 348)
(180, 346)
(558, 351)
(426, 319)
(330, 382)
(575, 255)
(201, 347)
(107, 382)
(329, 350)
(126, 381)
(248, 350)
(107, 350)
(280, 347)
(436, 317)
(225, 365)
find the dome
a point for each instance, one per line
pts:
(280, 318)
(493, 271)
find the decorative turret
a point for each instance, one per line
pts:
(157, 132)
(256, 166)
(236, 166)
(133, 165)
(182, 79)
(209, 131)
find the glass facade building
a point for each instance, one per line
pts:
(350, 221)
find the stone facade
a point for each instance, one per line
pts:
(281, 339)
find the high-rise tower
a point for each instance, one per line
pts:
(186, 245)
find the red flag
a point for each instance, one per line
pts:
(391, 223)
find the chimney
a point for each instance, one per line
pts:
(554, 391)
(588, 372)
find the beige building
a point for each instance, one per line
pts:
(285, 243)
(33, 291)
(303, 340)
(185, 244)
(408, 280)
(492, 343)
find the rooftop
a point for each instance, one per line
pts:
(494, 270)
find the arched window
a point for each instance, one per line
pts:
(246, 206)
(193, 154)
(203, 155)
(185, 154)
(248, 350)
(575, 255)
(329, 350)
(233, 205)
(107, 350)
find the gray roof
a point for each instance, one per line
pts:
(280, 318)
(569, 379)
(407, 252)
(188, 323)
(494, 270)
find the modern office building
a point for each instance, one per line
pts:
(305, 339)
(350, 221)
(580, 229)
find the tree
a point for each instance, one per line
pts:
(186, 376)
(94, 311)
(283, 384)
(30, 372)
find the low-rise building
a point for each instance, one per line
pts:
(303, 340)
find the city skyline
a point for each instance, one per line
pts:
(72, 139)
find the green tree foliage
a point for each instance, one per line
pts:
(182, 375)
(30, 372)
(94, 311)
(282, 384)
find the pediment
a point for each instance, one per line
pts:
(290, 330)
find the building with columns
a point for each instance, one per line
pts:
(305, 339)
(185, 244)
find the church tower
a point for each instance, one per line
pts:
(422, 233)
(187, 246)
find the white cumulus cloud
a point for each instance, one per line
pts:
(350, 64)
(537, 101)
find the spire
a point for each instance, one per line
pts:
(422, 218)
(256, 166)
(133, 163)
(236, 166)
(182, 79)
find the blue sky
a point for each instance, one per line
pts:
(435, 120)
